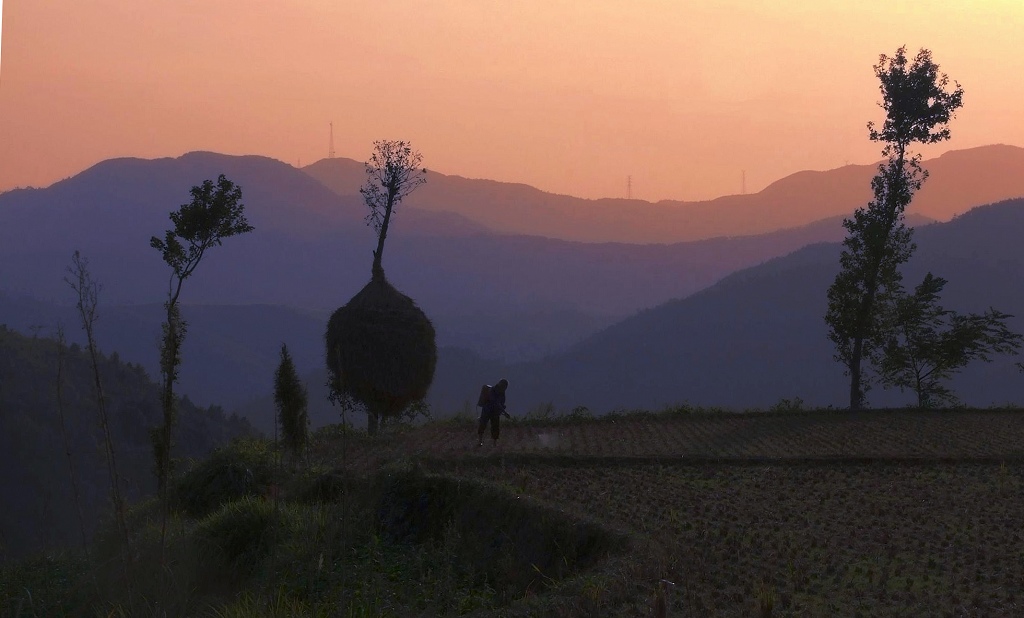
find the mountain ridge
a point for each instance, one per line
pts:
(716, 347)
(960, 179)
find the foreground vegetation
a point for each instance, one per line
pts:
(40, 439)
(788, 513)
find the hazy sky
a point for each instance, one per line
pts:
(570, 96)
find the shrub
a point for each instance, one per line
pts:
(246, 531)
(245, 468)
(795, 404)
(581, 413)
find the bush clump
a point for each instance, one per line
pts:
(245, 468)
(245, 531)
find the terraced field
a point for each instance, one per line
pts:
(960, 435)
(881, 513)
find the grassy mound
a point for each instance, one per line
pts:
(397, 543)
(246, 468)
(519, 543)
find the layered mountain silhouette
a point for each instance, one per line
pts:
(509, 296)
(759, 336)
(494, 298)
(750, 341)
(959, 181)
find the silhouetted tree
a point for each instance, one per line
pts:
(87, 290)
(918, 109)
(929, 343)
(62, 349)
(290, 397)
(216, 212)
(393, 172)
(381, 348)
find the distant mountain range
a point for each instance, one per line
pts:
(494, 298)
(759, 336)
(959, 180)
(749, 341)
(505, 296)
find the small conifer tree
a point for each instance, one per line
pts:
(291, 399)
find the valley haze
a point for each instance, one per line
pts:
(547, 311)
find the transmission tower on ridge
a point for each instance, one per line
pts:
(330, 151)
(629, 187)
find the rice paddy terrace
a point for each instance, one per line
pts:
(824, 513)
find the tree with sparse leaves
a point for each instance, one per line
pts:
(381, 348)
(393, 172)
(929, 343)
(291, 400)
(215, 212)
(87, 290)
(918, 107)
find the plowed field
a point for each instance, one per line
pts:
(886, 513)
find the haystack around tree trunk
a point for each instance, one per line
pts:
(381, 350)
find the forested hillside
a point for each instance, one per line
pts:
(723, 345)
(38, 503)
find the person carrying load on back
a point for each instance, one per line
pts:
(492, 406)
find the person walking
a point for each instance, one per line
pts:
(492, 406)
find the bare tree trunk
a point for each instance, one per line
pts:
(61, 352)
(856, 395)
(163, 437)
(88, 291)
(378, 268)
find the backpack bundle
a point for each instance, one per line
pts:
(485, 395)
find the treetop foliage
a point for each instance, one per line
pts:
(927, 343)
(216, 212)
(917, 105)
(393, 172)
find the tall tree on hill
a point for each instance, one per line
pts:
(381, 348)
(87, 291)
(393, 172)
(291, 399)
(918, 109)
(929, 343)
(216, 212)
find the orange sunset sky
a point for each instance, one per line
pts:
(569, 96)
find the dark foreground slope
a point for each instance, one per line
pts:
(38, 506)
(879, 513)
